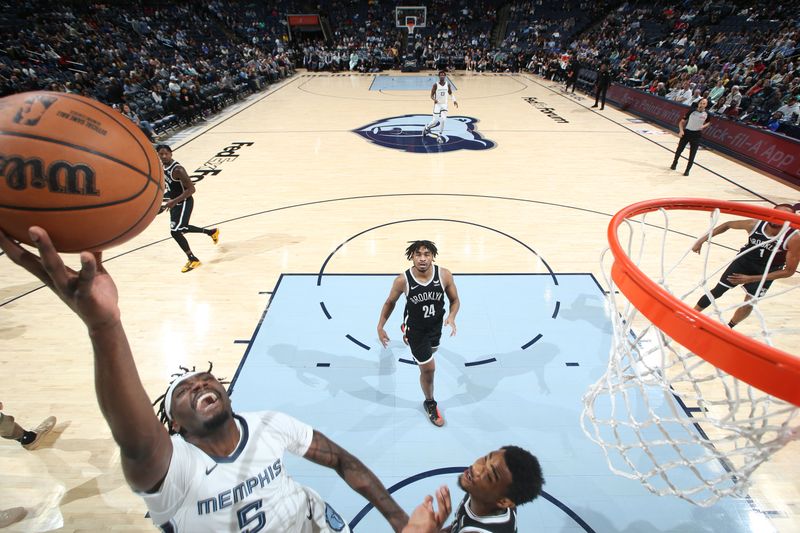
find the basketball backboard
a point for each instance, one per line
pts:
(419, 14)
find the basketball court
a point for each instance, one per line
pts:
(317, 185)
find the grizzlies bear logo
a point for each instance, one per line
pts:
(406, 133)
(333, 519)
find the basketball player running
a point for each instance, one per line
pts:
(757, 259)
(219, 471)
(424, 285)
(178, 191)
(440, 92)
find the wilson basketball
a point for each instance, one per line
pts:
(77, 168)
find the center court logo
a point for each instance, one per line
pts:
(405, 133)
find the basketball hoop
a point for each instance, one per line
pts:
(411, 23)
(688, 406)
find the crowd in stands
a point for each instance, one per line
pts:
(742, 58)
(166, 64)
(162, 65)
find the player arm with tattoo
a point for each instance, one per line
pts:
(325, 452)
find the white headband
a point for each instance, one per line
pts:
(171, 389)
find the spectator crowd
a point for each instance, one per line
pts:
(169, 64)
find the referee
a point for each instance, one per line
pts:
(691, 127)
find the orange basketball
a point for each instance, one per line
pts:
(77, 168)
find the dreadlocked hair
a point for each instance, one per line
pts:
(416, 245)
(161, 402)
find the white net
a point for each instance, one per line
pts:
(662, 414)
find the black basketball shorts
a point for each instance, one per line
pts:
(423, 341)
(180, 214)
(743, 266)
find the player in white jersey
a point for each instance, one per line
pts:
(440, 93)
(219, 471)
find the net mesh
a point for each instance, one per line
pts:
(662, 414)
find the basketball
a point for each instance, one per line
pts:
(78, 168)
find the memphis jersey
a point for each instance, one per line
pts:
(248, 491)
(465, 521)
(172, 186)
(424, 301)
(758, 249)
(441, 95)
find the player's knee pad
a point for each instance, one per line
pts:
(716, 292)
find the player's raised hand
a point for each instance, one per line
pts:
(90, 292)
(425, 519)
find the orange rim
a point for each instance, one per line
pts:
(766, 368)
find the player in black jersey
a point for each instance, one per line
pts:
(495, 486)
(425, 286)
(178, 191)
(764, 258)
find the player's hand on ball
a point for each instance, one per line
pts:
(90, 292)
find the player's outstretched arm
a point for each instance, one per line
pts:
(745, 224)
(144, 443)
(398, 287)
(325, 452)
(452, 295)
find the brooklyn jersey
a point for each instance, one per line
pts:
(465, 521)
(248, 491)
(172, 186)
(758, 249)
(424, 301)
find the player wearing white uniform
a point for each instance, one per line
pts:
(179, 474)
(439, 94)
(201, 492)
